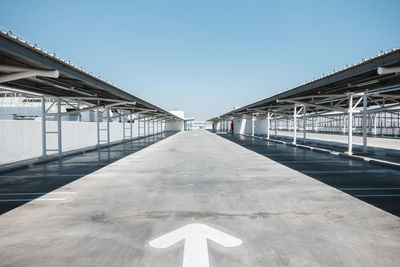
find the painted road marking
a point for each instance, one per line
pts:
(380, 195)
(34, 194)
(31, 199)
(43, 175)
(308, 162)
(368, 189)
(345, 171)
(24, 194)
(79, 164)
(195, 236)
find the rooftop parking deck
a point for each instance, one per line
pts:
(282, 202)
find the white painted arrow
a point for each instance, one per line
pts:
(195, 236)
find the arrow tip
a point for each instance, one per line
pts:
(155, 244)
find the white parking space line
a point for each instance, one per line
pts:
(273, 154)
(24, 194)
(344, 171)
(368, 189)
(80, 164)
(49, 194)
(380, 195)
(31, 199)
(44, 175)
(313, 162)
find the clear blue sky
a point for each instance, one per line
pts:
(206, 57)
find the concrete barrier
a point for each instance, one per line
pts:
(243, 126)
(174, 126)
(21, 140)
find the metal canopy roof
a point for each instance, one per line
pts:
(330, 93)
(17, 54)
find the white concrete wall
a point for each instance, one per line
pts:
(20, 137)
(260, 126)
(239, 125)
(218, 126)
(221, 126)
(243, 126)
(20, 140)
(247, 128)
(174, 125)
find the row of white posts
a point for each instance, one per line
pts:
(296, 112)
(145, 120)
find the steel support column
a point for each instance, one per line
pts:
(364, 123)
(108, 125)
(304, 123)
(294, 124)
(276, 129)
(148, 126)
(59, 133)
(144, 126)
(123, 127)
(350, 126)
(79, 114)
(43, 126)
(98, 126)
(157, 125)
(130, 126)
(138, 123)
(268, 124)
(252, 125)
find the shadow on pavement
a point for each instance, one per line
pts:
(392, 155)
(21, 186)
(374, 184)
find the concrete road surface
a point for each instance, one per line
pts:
(256, 211)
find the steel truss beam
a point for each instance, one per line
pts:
(17, 73)
(315, 105)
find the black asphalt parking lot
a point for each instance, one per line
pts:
(151, 207)
(374, 184)
(24, 185)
